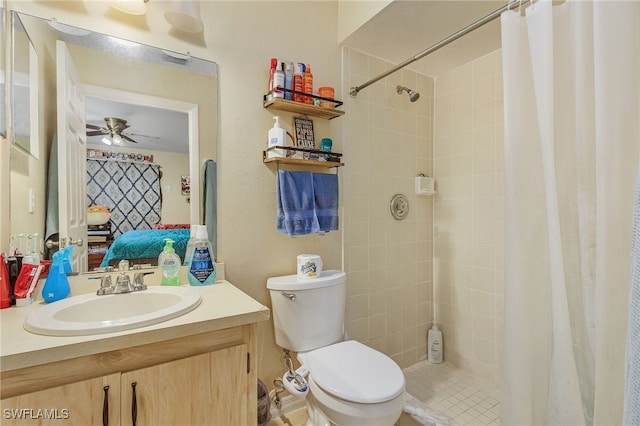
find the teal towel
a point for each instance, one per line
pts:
(296, 205)
(325, 190)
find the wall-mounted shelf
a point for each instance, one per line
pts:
(333, 161)
(281, 104)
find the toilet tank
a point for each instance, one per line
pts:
(308, 313)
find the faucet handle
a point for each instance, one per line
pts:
(138, 281)
(106, 286)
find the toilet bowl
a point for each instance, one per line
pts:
(352, 384)
(349, 383)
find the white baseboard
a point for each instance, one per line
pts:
(289, 405)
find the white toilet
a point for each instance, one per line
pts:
(349, 383)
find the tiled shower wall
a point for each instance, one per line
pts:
(468, 214)
(454, 133)
(388, 141)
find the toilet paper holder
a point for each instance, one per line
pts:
(424, 185)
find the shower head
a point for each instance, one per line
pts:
(413, 96)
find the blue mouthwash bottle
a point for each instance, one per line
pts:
(202, 270)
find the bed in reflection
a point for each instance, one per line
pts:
(144, 246)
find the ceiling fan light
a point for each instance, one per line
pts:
(106, 140)
(117, 139)
(132, 7)
(185, 15)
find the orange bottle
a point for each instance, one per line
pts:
(307, 85)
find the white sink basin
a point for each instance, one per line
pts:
(91, 314)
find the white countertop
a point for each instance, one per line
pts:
(223, 306)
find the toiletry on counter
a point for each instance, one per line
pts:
(188, 253)
(5, 285)
(169, 262)
(277, 137)
(56, 287)
(202, 270)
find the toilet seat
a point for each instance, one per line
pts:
(354, 372)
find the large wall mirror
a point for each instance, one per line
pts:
(143, 114)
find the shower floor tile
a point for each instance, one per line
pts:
(454, 393)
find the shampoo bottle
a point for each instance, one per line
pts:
(202, 270)
(277, 137)
(298, 72)
(169, 262)
(434, 345)
(56, 287)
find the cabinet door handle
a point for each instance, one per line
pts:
(105, 407)
(134, 404)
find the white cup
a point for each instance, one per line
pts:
(309, 266)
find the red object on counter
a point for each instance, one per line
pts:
(5, 285)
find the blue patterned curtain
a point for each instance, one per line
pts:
(130, 190)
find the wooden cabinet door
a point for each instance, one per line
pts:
(81, 403)
(167, 394)
(230, 388)
(208, 389)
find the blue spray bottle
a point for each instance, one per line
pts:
(56, 287)
(67, 259)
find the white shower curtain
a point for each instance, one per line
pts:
(571, 100)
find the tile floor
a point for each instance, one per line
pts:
(454, 394)
(445, 390)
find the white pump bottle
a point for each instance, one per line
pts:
(277, 137)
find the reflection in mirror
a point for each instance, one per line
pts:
(3, 111)
(148, 103)
(24, 79)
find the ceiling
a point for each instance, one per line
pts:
(405, 28)
(400, 31)
(152, 128)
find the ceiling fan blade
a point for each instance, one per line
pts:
(93, 126)
(144, 136)
(125, 137)
(97, 133)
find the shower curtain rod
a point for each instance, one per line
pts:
(353, 91)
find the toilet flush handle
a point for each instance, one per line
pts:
(289, 296)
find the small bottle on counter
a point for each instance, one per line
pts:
(202, 270)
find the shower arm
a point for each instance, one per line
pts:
(353, 91)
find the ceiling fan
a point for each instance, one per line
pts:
(113, 132)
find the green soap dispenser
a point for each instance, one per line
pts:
(169, 262)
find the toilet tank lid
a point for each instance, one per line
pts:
(292, 282)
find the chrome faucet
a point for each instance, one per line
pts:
(123, 282)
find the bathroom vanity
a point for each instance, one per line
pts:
(197, 369)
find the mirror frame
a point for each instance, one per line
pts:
(31, 81)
